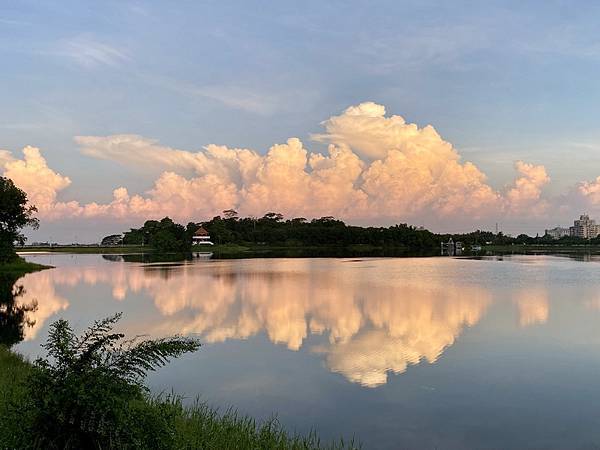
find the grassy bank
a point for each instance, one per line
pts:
(291, 251)
(249, 250)
(217, 248)
(86, 249)
(21, 267)
(543, 248)
(198, 426)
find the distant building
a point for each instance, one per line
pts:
(557, 233)
(585, 228)
(201, 237)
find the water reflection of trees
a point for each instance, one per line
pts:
(14, 315)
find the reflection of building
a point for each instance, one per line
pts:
(585, 228)
(201, 237)
(557, 233)
(451, 248)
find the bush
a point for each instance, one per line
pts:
(90, 393)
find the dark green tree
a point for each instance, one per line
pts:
(165, 236)
(15, 214)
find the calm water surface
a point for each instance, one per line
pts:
(402, 353)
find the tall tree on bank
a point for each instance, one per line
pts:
(15, 214)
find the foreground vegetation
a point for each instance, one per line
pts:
(89, 394)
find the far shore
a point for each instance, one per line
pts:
(240, 250)
(358, 249)
(542, 248)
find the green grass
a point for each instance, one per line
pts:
(21, 267)
(13, 371)
(544, 248)
(85, 249)
(198, 426)
(223, 248)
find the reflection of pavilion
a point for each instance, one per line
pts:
(203, 255)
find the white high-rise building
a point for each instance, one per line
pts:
(585, 228)
(557, 233)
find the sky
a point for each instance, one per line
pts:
(451, 115)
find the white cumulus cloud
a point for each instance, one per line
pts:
(377, 168)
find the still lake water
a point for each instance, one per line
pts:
(415, 353)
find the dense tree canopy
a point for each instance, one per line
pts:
(274, 230)
(15, 214)
(164, 236)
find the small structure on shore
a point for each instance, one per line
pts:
(201, 237)
(451, 248)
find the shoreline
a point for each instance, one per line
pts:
(22, 267)
(250, 250)
(195, 425)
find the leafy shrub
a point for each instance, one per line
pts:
(89, 395)
(90, 392)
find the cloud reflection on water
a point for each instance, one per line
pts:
(532, 305)
(376, 321)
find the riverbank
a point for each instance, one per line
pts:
(249, 250)
(349, 251)
(21, 267)
(542, 248)
(195, 426)
(92, 249)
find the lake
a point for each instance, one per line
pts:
(415, 353)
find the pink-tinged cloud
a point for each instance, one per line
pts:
(526, 193)
(376, 169)
(591, 191)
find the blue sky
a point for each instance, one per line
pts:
(501, 81)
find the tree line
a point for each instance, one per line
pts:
(273, 229)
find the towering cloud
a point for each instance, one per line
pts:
(41, 183)
(591, 191)
(376, 169)
(526, 194)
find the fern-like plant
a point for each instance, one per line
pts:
(89, 393)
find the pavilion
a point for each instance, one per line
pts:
(201, 237)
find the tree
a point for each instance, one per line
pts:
(15, 214)
(113, 239)
(230, 214)
(164, 236)
(165, 242)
